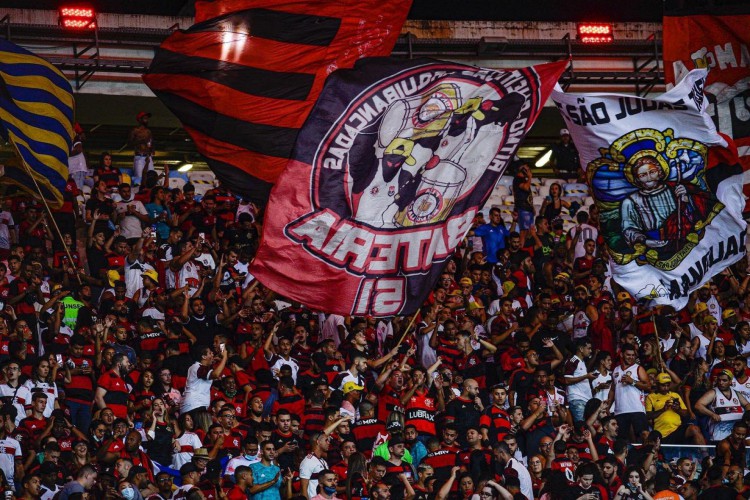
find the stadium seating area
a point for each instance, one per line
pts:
(502, 197)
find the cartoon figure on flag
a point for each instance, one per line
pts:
(651, 189)
(424, 142)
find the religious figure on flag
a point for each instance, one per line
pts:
(652, 186)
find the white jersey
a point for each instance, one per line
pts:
(702, 347)
(602, 393)
(581, 323)
(742, 388)
(49, 389)
(310, 467)
(21, 398)
(729, 409)
(197, 389)
(628, 398)
(714, 309)
(743, 348)
(581, 390)
(133, 276)
(236, 462)
(189, 442)
(6, 222)
(189, 276)
(588, 232)
(10, 449)
(207, 260)
(329, 329)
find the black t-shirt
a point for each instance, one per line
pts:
(718, 493)
(521, 196)
(204, 328)
(97, 260)
(576, 491)
(178, 365)
(463, 414)
(566, 157)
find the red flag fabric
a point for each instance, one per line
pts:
(719, 43)
(387, 175)
(243, 79)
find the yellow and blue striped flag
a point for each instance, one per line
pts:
(36, 117)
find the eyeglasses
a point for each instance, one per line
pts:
(165, 480)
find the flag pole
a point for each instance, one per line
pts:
(408, 327)
(49, 211)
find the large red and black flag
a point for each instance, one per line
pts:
(388, 172)
(243, 79)
(716, 38)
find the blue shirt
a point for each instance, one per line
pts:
(263, 474)
(493, 239)
(154, 211)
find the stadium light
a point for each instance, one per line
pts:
(77, 17)
(544, 159)
(595, 32)
(185, 167)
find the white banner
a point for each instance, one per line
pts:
(668, 186)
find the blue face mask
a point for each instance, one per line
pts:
(329, 490)
(128, 493)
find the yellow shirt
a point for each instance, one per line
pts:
(670, 420)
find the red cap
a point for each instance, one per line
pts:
(141, 115)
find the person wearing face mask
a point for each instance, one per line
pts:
(129, 491)
(248, 457)
(327, 482)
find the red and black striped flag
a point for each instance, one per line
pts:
(244, 78)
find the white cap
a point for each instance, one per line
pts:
(564, 131)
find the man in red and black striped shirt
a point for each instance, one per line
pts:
(366, 429)
(495, 421)
(112, 390)
(445, 344)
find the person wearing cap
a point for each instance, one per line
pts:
(704, 295)
(700, 311)
(723, 405)
(352, 395)
(666, 410)
(191, 476)
(729, 320)
(141, 139)
(703, 343)
(565, 159)
(150, 280)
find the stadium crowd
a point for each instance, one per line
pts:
(141, 360)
